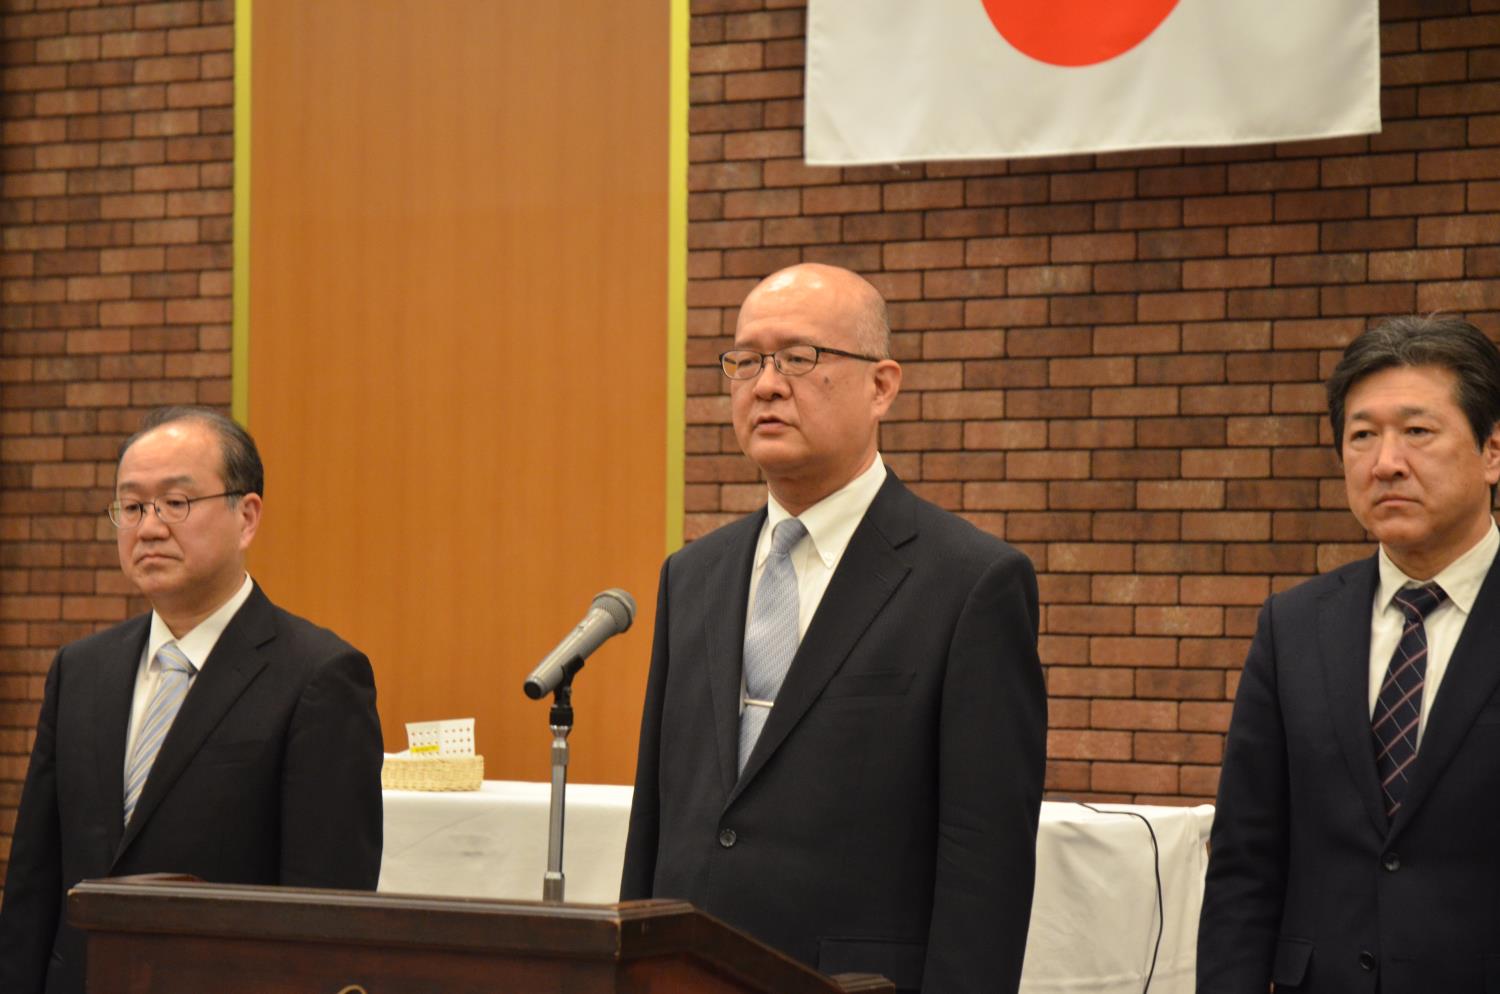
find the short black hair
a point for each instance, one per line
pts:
(1444, 341)
(241, 467)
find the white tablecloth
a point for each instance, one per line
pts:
(1093, 919)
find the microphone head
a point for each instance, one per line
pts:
(618, 604)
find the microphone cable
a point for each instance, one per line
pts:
(1161, 907)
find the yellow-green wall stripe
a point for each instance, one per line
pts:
(677, 193)
(240, 335)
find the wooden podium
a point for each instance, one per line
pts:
(173, 935)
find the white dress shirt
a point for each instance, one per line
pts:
(1461, 580)
(196, 645)
(830, 525)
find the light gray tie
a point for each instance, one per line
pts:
(171, 688)
(770, 635)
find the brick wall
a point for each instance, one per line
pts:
(115, 271)
(1114, 362)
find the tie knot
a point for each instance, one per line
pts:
(786, 535)
(169, 657)
(1418, 602)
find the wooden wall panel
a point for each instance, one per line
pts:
(458, 346)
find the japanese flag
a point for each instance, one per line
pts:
(903, 80)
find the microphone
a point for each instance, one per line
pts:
(611, 613)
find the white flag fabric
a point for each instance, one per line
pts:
(908, 80)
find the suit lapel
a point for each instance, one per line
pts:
(1469, 683)
(726, 595)
(234, 662)
(116, 691)
(1344, 653)
(867, 575)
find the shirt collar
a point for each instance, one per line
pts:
(198, 643)
(1460, 579)
(831, 521)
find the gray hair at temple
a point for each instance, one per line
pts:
(872, 324)
(1439, 340)
(242, 470)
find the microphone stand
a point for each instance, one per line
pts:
(560, 720)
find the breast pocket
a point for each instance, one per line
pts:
(847, 685)
(1489, 714)
(231, 753)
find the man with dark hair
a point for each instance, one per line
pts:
(1354, 845)
(844, 733)
(218, 735)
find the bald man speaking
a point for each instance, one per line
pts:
(843, 742)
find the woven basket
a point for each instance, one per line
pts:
(432, 773)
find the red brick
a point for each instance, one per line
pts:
(1471, 229)
(1181, 244)
(1136, 276)
(1416, 264)
(1148, 715)
(984, 252)
(1051, 219)
(996, 191)
(1321, 205)
(1064, 744)
(1293, 174)
(1235, 209)
(966, 223)
(1130, 215)
(923, 196)
(763, 85)
(1182, 684)
(1102, 247)
(1090, 495)
(1048, 280)
(1182, 181)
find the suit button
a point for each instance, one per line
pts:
(1367, 960)
(727, 838)
(1391, 862)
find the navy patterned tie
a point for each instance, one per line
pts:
(1398, 709)
(770, 634)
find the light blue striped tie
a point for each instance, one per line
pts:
(171, 688)
(770, 635)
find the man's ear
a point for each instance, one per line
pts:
(886, 378)
(248, 509)
(1490, 453)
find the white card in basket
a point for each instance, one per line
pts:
(453, 737)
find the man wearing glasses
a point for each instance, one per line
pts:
(218, 736)
(844, 733)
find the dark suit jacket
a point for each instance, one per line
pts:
(270, 774)
(886, 819)
(1308, 886)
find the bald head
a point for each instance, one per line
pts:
(845, 293)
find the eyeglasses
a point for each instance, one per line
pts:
(170, 508)
(794, 360)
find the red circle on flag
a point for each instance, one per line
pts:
(1076, 32)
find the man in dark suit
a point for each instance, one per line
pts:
(218, 736)
(843, 741)
(1354, 847)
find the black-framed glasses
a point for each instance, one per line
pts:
(170, 508)
(794, 360)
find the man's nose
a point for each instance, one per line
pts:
(151, 522)
(770, 381)
(1390, 457)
